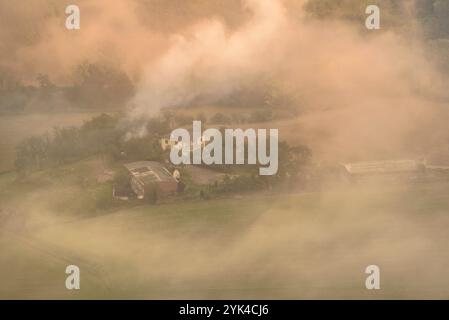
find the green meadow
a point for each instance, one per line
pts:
(255, 245)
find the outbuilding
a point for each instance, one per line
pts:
(149, 177)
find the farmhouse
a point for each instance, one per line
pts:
(167, 143)
(147, 176)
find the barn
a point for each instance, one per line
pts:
(145, 175)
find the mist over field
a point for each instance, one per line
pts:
(336, 91)
(364, 81)
(311, 246)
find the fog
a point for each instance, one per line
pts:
(360, 95)
(311, 246)
(380, 90)
(380, 95)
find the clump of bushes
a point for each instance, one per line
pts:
(100, 136)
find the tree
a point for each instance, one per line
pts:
(219, 118)
(44, 81)
(97, 85)
(292, 159)
(32, 153)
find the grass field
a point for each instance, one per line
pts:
(313, 245)
(271, 246)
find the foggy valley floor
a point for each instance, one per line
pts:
(314, 245)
